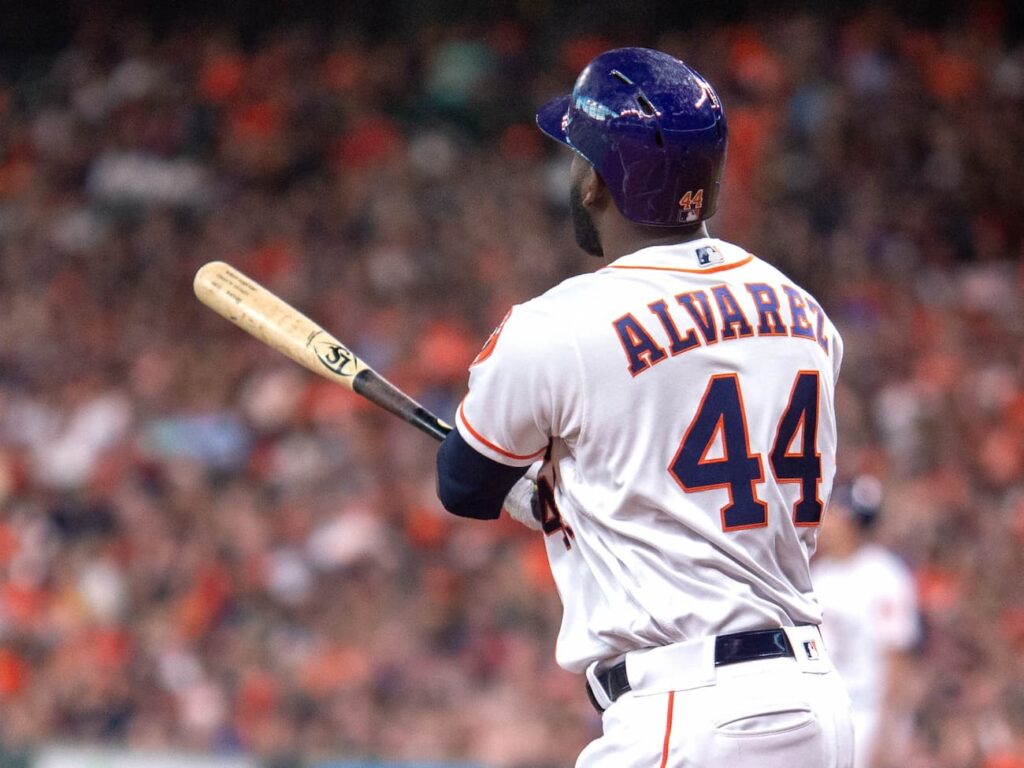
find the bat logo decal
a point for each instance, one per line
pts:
(335, 357)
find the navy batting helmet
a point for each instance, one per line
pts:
(652, 128)
(859, 498)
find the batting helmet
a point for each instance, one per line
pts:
(859, 498)
(652, 128)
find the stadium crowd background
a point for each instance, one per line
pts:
(204, 547)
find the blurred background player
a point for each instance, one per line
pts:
(869, 605)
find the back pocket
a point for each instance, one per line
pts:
(765, 719)
(783, 735)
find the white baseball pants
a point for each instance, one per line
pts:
(683, 712)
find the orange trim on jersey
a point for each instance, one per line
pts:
(497, 448)
(708, 271)
(668, 728)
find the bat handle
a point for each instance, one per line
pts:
(427, 422)
(380, 391)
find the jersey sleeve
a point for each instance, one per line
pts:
(525, 388)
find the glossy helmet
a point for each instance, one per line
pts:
(652, 128)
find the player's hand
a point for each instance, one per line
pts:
(521, 502)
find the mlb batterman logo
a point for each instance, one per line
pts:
(709, 255)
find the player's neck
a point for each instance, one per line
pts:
(625, 238)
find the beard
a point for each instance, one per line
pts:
(583, 225)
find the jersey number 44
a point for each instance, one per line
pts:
(721, 420)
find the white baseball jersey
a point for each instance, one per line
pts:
(869, 609)
(682, 399)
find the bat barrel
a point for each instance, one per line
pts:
(260, 313)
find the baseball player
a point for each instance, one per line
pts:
(676, 407)
(869, 604)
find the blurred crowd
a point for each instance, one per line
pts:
(203, 546)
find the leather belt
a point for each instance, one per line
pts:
(729, 649)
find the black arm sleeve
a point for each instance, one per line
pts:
(468, 483)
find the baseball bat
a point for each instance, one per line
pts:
(261, 313)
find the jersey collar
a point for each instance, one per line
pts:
(703, 256)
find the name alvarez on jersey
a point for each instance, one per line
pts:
(716, 315)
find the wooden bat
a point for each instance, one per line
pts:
(262, 314)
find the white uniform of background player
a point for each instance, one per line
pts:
(869, 603)
(681, 402)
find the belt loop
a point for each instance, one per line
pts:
(598, 695)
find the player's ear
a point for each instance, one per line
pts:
(593, 191)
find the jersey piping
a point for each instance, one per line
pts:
(497, 448)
